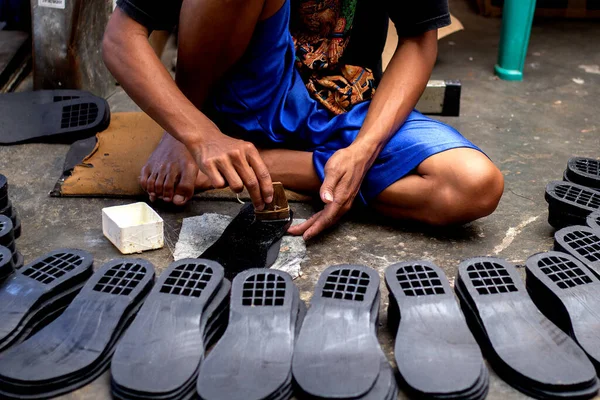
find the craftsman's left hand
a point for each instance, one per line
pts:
(344, 173)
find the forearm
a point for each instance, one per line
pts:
(130, 58)
(399, 91)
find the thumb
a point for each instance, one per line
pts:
(328, 187)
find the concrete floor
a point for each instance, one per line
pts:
(528, 128)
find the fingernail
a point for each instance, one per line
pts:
(167, 199)
(269, 199)
(260, 208)
(328, 196)
(178, 198)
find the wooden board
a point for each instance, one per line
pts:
(15, 49)
(67, 46)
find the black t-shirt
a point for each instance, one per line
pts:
(369, 31)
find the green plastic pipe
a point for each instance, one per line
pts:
(517, 17)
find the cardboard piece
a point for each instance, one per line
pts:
(392, 38)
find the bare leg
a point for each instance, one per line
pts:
(212, 38)
(455, 186)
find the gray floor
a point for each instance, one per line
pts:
(528, 128)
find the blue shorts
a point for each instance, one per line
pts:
(262, 99)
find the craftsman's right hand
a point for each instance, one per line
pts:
(235, 163)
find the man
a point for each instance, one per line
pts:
(253, 103)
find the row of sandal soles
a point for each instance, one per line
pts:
(570, 201)
(331, 350)
(10, 231)
(10, 258)
(75, 348)
(181, 318)
(7, 209)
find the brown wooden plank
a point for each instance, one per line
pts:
(15, 48)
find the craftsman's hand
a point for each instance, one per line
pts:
(344, 173)
(234, 163)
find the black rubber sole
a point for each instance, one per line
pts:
(76, 381)
(526, 349)
(593, 221)
(75, 348)
(41, 316)
(385, 386)
(10, 212)
(6, 231)
(38, 283)
(7, 266)
(571, 198)
(171, 322)
(31, 117)
(337, 354)
(584, 171)
(213, 323)
(3, 187)
(215, 328)
(582, 242)
(248, 243)
(446, 362)
(18, 260)
(565, 290)
(17, 230)
(259, 340)
(560, 219)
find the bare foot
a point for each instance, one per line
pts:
(170, 173)
(202, 183)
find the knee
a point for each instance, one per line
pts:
(484, 188)
(474, 193)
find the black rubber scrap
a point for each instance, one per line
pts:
(75, 348)
(253, 359)
(337, 354)
(584, 171)
(248, 243)
(570, 203)
(48, 283)
(172, 322)
(565, 291)
(526, 349)
(582, 242)
(436, 354)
